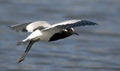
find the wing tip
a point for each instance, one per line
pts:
(87, 22)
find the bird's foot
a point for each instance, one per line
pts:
(20, 60)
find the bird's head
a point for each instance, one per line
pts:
(71, 31)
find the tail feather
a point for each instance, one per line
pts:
(23, 42)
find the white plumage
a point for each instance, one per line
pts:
(41, 30)
(31, 26)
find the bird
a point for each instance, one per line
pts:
(43, 31)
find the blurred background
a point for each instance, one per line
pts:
(95, 49)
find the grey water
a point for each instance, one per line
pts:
(95, 49)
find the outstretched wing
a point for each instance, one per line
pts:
(68, 24)
(31, 26)
(20, 27)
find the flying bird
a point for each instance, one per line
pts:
(43, 31)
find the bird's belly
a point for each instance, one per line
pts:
(58, 36)
(45, 37)
(52, 36)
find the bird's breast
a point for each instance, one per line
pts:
(46, 36)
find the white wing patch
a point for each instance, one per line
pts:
(31, 26)
(68, 24)
(65, 22)
(38, 24)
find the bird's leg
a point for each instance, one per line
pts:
(26, 52)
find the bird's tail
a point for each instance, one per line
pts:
(23, 42)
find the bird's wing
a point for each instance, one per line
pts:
(19, 27)
(31, 26)
(68, 24)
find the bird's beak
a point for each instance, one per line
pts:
(75, 33)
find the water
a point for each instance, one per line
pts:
(95, 49)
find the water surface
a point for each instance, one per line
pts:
(95, 49)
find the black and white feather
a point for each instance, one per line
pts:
(69, 24)
(42, 31)
(30, 26)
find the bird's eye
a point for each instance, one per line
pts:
(65, 30)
